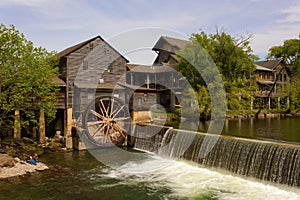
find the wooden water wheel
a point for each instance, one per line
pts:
(106, 121)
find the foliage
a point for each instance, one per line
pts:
(294, 93)
(234, 60)
(290, 53)
(202, 99)
(26, 78)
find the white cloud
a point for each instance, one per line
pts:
(57, 24)
(22, 2)
(273, 36)
(292, 15)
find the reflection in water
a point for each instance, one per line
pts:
(286, 129)
(80, 176)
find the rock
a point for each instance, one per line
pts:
(21, 168)
(7, 161)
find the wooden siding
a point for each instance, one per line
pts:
(85, 96)
(61, 98)
(99, 56)
(63, 68)
(143, 101)
(162, 56)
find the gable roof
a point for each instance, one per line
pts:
(58, 81)
(71, 49)
(270, 64)
(174, 44)
(261, 68)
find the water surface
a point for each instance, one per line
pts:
(80, 176)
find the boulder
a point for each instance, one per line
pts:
(7, 161)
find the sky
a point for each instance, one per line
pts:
(133, 26)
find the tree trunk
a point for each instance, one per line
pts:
(17, 125)
(34, 130)
(42, 131)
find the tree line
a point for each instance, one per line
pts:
(28, 90)
(27, 87)
(234, 58)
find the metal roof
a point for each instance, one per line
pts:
(97, 86)
(71, 49)
(271, 64)
(174, 44)
(151, 69)
(261, 68)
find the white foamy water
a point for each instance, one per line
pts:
(186, 180)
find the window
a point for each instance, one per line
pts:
(91, 45)
(101, 80)
(85, 65)
(110, 68)
(91, 95)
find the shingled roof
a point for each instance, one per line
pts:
(71, 49)
(59, 81)
(174, 44)
(270, 64)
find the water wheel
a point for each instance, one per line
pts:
(106, 121)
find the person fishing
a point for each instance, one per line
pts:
(33, 159)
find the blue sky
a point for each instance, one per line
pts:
(57, 24)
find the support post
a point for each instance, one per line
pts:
(148, 81)
(42, 130)
(17, 125)
(69, 124)
(34, 132)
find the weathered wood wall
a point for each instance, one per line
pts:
(143, 101)
(94, 63)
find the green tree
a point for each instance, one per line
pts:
(233, 58)
(26, 80)
(289, 51)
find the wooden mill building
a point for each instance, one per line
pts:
(88, 69)
(149, 86)
(93, 68)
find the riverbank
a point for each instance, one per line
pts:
(239, 115)
(14, 153)
(10, 167)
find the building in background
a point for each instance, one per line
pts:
(272, 78)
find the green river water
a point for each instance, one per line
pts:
(78, 175)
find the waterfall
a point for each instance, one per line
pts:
(148, 137)
(270, 161)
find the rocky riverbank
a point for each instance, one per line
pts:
(10, 166)
(13, 155)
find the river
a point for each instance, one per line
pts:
(78, 175)
(281, 129)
